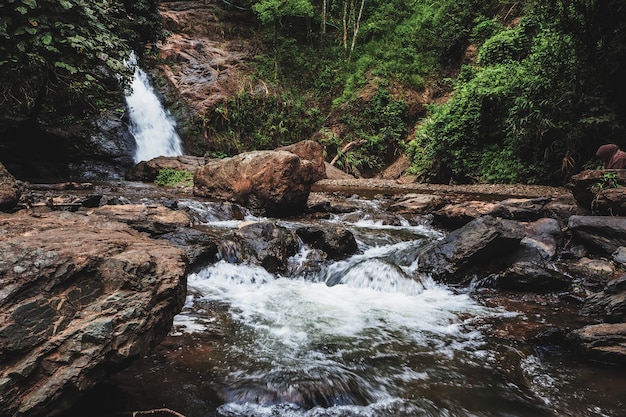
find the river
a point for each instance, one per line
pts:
(365, 336)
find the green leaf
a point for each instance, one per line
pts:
(21, 9)
(47, 39)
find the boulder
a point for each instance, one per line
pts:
(309, 150)
(200, 247)
(609, 304)
(600, 233)
(458, 215)
(478, 244)
(266, 244)
(273, 183)
(587, 184)
(605, 342)
(10, 191)
(520, 209)
(149, 170)
(80, 297)
(532, 276)
(335, 241)
(544, 235)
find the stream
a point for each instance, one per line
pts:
(365, 336)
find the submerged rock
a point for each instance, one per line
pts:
(80, 296)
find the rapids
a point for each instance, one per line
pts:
(365, 336)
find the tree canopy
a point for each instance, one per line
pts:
(63, 57)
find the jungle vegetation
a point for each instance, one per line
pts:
(470, 90)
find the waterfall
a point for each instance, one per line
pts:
(152, 126)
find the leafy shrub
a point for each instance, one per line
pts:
(173, 177)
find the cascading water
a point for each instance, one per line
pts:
(152, 126)
(361, 337)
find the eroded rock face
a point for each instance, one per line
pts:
(9, 190)
(275, 183)
(80, 296)
(335, 241)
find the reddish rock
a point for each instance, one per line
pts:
(9, 190)
(275, 183)
(80, 296)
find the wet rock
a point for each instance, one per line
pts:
(149, 170)
(609, 304)
(417, 204)
(154, 219)
(605, 342)
(543, 235)
(10, 191)
(587, 184)
(600, 233)
(274, 183)
(481, 242)
(200, 247)
(335, 241)
(532, 276)
(458, 215)
(80, 296)
(266, 244)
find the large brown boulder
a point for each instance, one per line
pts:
(9, 190)
(80, 296)
(274, 183)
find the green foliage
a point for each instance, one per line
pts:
(171, 177)
(261, 121)
(526, 114)
(272, 11)
(377, 128)
(65, 56)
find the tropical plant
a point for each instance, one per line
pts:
(65, 56)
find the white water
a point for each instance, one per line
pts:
(152, 126)
(346, 341)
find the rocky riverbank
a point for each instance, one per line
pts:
(92, 274)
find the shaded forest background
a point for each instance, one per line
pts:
(468, 90)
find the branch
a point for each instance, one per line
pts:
(346, 148)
